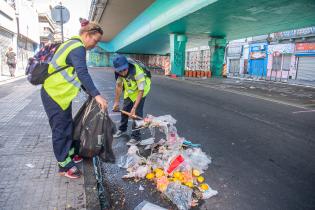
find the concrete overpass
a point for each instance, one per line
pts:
(163, 26)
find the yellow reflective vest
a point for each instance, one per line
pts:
(63, 86)
(131, 84)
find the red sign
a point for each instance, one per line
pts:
(305, 47)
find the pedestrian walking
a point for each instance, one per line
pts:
(136, 85)
(61, 88)
(11, 61)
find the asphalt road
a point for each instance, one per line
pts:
(263, 153)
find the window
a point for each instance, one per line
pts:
(281, 62)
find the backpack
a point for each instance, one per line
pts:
(37, 67)
(142, 65)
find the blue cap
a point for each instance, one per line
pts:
(120, 63)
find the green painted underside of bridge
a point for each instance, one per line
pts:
(149, 32)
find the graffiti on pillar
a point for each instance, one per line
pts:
(156, 63)
(95, 59)
(179, 57)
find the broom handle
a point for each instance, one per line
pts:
(128, 114)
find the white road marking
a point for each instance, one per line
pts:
(304, 111)
(241, 93)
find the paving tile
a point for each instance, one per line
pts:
(28, 169)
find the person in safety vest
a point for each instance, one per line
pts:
(131, 79)
(61, 88)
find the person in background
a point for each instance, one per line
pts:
(61, 88)
(136, 85)
(11, 61)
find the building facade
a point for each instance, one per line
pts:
(19, 30)
(8, 32)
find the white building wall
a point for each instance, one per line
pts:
(28, 20)
(8, 30)
(7, 17)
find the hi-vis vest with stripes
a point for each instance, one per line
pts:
(131, 86)
(63, 86)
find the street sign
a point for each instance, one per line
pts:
(60, 14)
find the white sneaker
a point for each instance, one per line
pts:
(119, 133)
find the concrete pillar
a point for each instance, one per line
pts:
(177, 53)
(217, 50)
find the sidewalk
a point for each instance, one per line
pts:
(6, 78)
(28, 170)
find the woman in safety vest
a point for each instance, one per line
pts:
(61, 88)
(136, 85)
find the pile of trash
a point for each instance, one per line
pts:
(174, 164)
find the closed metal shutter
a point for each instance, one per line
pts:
(306, 68)
(234, 66)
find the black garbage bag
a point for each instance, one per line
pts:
(94, 129)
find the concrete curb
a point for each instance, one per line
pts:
(9, 80)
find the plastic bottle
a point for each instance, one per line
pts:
(175, 163)
(172, 135)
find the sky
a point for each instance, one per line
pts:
(77, 9)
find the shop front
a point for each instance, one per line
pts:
(305, 53)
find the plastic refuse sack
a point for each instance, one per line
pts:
(146, 205)
(77, 120)
(94, 129)
(197, 159)
(180, 195)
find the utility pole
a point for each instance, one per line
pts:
(61, 18)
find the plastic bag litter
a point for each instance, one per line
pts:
(174, 142)
(156, 121)
(141, 188)
(137, 172)
(166, 119)
(180, 195)
(176, 157)
(197, 159)
(148, 141)
(131, 158)
(162, 183)
(209, 193)
(146, 205)
(162, 122)
(155, 161)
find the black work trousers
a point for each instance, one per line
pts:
(61, 124)
(128, 104)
